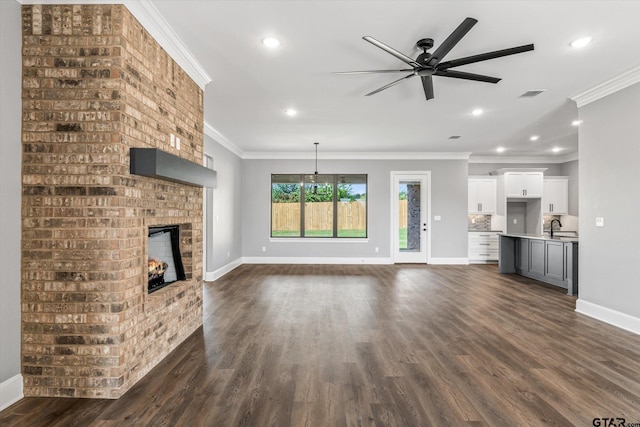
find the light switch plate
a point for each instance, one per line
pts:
(599, 221)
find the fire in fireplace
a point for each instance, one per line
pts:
(165, 262)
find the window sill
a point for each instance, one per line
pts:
(319, 239)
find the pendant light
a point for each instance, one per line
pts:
(315, 174)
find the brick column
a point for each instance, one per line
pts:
(95, 83)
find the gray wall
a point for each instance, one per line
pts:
(609, 144)
(224, 229)
(448, 199)
(10, 161)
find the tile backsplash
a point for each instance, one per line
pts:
(479, 222)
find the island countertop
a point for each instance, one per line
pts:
(541, 237)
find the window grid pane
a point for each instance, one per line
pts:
(352, 206)
(285, 206)
(318, 206)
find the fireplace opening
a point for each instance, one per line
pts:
(165, 261)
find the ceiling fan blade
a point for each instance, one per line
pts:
(427, 84)
(467, 76)
(373, 72)
(401, 56)
(451, 41)
(393, 83)
(484, 56)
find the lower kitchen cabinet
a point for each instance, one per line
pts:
(522, 254)
(483, 247)
(550, 261)
(537, 259)
(554, 261)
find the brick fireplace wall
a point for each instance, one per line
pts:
(95, 83)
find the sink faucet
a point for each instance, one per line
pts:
(551, 226)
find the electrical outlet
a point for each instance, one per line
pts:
(377, 249)
(437, 218)
(515, 220)
(599, 221)
(473, 220)
(264, 249)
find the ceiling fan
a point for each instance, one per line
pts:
(427, 65)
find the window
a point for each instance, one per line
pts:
(318, 205)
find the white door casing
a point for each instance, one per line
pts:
(417, 247)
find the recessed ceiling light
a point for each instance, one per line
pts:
(271, 42)
(576, 122)
(556, 149)
(290, 112)
(534, 138)
(477, 112)
(582, 42)
(500, 149)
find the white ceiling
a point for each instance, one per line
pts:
(252, 85)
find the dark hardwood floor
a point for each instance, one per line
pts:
(310, 345)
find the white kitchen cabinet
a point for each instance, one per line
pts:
(523, 184)
(483, 246)
(482, 196)
(555, 197)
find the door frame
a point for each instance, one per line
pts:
(393, 212)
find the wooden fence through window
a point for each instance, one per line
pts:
(319, 216)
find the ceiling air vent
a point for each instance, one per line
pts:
(531, 93)
(454, 137)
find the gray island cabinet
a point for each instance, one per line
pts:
(550, 260)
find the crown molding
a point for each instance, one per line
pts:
(547, 159)
(152, 21)
(608, 87)
(214, 134)
(273, 155)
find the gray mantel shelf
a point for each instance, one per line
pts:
(159, 164)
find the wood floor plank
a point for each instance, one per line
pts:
(377, 345)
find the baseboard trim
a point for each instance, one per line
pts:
(607, 315)
(448, 261)
(345, 260)
(210, 276)
(316, 260)
(11, 390)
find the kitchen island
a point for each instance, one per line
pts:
(553, 260)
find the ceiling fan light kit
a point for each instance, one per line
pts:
(427, 64)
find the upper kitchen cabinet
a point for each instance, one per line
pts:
(482, 196)
(555, 197)
(523, 184)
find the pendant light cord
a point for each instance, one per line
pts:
(316, 144)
